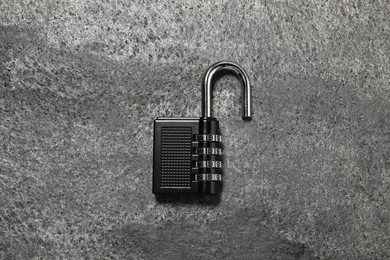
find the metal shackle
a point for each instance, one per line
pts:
(241, 75)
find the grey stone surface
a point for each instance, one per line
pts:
(82, 81)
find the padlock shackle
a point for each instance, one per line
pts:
(207, 84)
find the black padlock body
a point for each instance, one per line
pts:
(187, 156)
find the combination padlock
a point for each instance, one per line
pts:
(188, 151)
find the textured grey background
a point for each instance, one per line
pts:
(82, 81)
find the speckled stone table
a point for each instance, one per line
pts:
(82, 81)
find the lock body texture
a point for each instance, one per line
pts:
(187, 156)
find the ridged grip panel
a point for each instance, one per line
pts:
(176, 164)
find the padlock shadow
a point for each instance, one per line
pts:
(189, 199)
